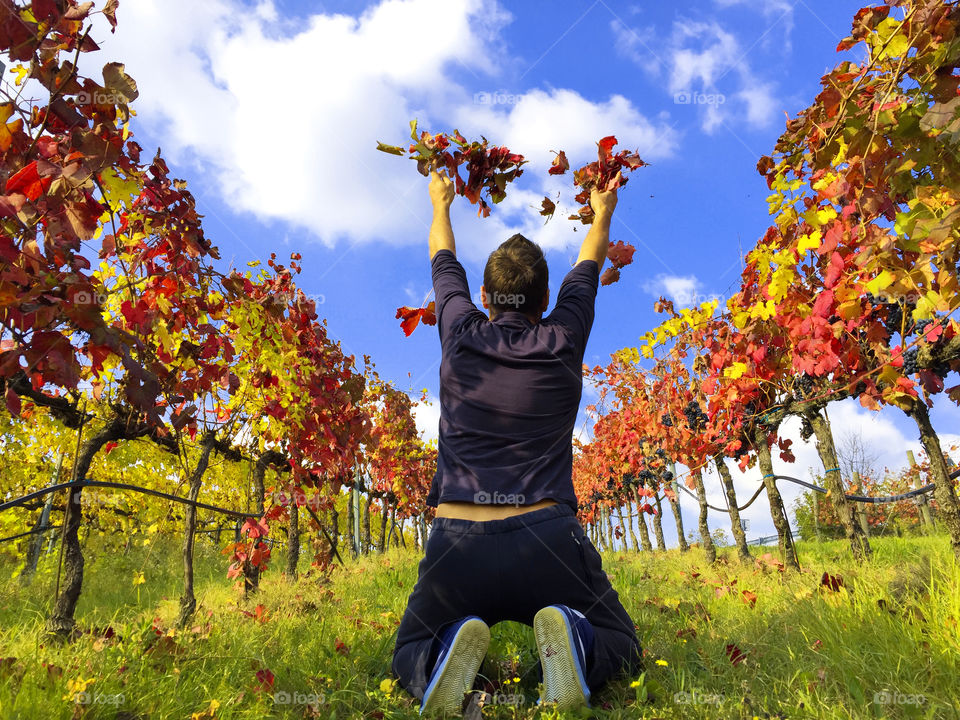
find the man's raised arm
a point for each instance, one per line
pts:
(596, 242)
(441, 231)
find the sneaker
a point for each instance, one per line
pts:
(564, 641)
(463, 646)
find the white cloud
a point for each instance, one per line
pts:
(683, 290)
(284, 118)
(777, 12)
(702, 65)
(427, 417)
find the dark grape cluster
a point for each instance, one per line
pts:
(922, 326)
(667, 420)
(696, 417)
(894, 320)
(806, 429)
(645, 476)
(910, 361)
(940, 369)
(895, 313)
(804, 384)
(667, 476)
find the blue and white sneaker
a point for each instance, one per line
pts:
(463, 646)
(564, 641)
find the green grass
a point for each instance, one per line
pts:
(885, 645)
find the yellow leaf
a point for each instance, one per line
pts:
(735, 371)
(787, 218)
(841, 155)
(809, 242)
(21, 72)
(880, 282)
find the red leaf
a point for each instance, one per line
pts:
(411, 317)
(610, 276)
(560, 164)
(109, 447)
(831, 582)
(932, 383)
(933, 332)
(605, 146)
(735, 654)
(44, 9)
(13, 402)
(548, 208)
(255, 528)
(750, 598)
(265, 680)
(823, 306)
(620, 253)
(28, 182)
(834, 271)
(429, 313)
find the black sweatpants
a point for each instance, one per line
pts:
(508, 570)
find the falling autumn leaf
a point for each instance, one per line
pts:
(411, 317)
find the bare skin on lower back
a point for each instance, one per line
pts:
(471, 511)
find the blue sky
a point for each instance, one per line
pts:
(272, 110)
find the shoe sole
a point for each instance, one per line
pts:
(457, 675)
(563, 682)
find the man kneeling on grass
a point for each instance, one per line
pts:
(506, 543)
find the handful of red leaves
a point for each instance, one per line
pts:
(601, 174)
(488, 168)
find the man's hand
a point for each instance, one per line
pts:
(441, 195)
(604, 202)
(597, 241)
(441, 189)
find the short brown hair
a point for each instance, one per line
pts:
(515, 277)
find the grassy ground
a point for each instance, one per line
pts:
(884, 644)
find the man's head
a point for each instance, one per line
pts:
(515, 278)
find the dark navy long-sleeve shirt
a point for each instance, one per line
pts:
(509, 392)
